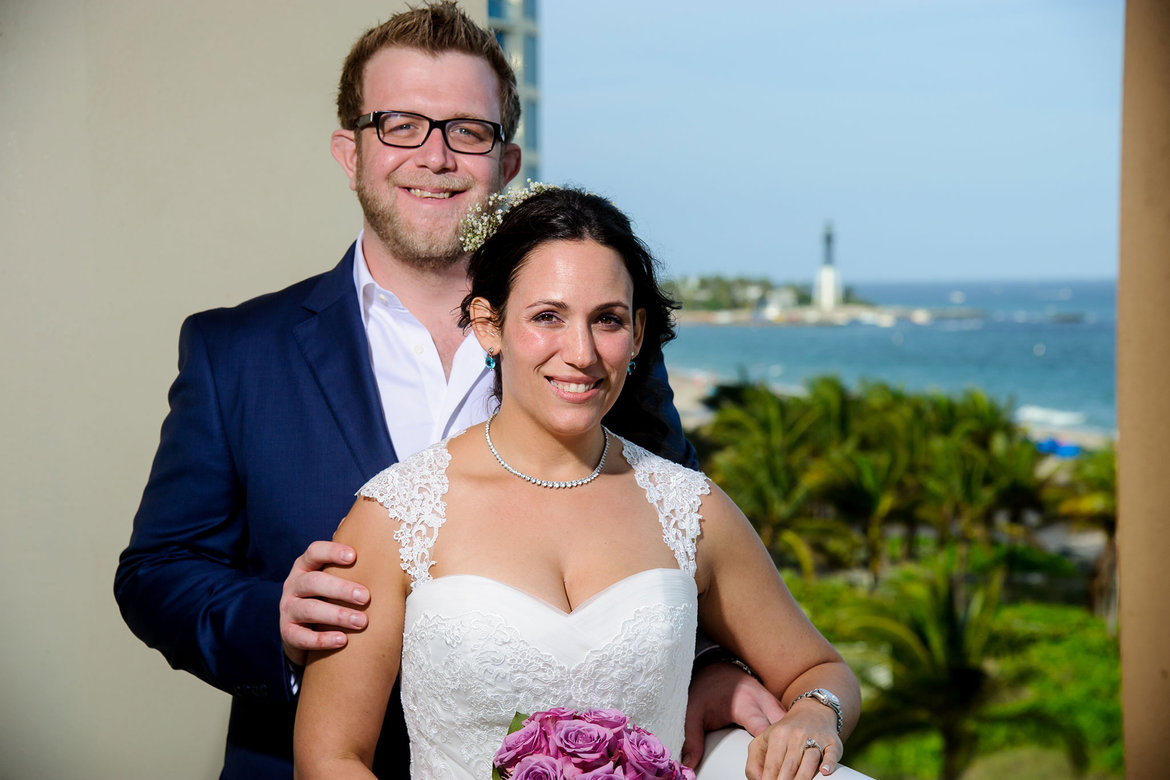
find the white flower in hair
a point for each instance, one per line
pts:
(484, 218)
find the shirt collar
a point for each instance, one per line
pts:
(367, 289)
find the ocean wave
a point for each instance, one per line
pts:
(1039, 415)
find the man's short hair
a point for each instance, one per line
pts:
(434, 28)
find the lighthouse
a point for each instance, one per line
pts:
(827, 290)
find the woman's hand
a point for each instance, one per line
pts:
(798, 745)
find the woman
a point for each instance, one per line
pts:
(540, 561)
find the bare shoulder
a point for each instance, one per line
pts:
(728, 540)
(723, 520)
(368, 522)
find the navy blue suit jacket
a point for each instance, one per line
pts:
(275, 421)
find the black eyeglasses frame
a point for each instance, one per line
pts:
(374, 119)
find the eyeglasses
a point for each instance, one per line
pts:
(410, 131)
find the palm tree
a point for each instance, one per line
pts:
(973, 416)
(891, 421)
(956, 486)
(833, 408)
(1089, 498)
(929, 667)
(866, 490)
(1016, 477)
(762, 445)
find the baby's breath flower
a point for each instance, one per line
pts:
(484, 218)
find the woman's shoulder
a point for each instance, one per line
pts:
(404, 483)
(642, 459)
(663, 479)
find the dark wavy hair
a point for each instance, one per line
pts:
(573, 215)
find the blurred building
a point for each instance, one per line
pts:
(515, 24)
(827, 290)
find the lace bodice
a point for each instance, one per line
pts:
(476, 651)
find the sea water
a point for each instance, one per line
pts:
(1046, 348)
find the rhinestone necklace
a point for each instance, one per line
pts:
(487, 434)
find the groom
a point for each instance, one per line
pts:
(288, 403)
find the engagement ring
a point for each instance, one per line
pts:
(812, 743)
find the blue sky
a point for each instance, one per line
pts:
(945, 139)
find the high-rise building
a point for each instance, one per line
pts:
(515, 25)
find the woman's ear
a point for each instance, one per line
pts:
(639, 330)
(483, 324)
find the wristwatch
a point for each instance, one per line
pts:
(827, 698)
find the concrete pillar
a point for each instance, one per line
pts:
(1143, 380)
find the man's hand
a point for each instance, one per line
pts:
(722, 695)
(304, 615)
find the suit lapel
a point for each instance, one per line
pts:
(334, 344)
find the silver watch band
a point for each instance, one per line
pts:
(827, 698)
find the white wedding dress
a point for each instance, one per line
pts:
(476, 651)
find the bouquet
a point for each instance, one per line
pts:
(564, 744)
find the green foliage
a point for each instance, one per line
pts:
(1072, 665)
(720, 293)
(760, 444)
(869, 462)
(875, 480)
(1018, 675)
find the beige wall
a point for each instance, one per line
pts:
(1143, 374)
(157, 158)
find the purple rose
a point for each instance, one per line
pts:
(544, 768)
(527, 741)
(646, 757)
(610, 719)
(586, 745)
(551, 716)
(607, 772)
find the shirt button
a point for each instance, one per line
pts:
(418, 349)
(381, 297)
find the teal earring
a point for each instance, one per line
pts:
(490, 361)
(630, 368)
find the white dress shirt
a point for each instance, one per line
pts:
(420, 405)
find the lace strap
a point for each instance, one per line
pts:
(677, 493)
(412, 492)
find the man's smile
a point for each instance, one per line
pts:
(420, 193)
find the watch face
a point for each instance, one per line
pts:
(828, 697)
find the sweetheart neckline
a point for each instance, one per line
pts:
(595, 598)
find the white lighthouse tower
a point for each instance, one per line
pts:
(827, 290)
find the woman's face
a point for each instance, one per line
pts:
(569, 333)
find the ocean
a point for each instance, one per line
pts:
(1047, 348)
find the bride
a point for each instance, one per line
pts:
(544, 560)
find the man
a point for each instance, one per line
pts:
(288, 403)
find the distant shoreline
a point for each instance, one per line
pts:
(845, 314)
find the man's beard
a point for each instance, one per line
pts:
(431, 247)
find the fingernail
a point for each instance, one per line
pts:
(357, 620)
(337, 641)
(826, 770)
(360, 595)
(347, 556)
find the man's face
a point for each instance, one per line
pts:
(414, 199)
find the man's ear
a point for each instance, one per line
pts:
(510, 162)
(483, 324)
(343, 145)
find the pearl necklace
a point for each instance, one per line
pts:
(487, 434)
